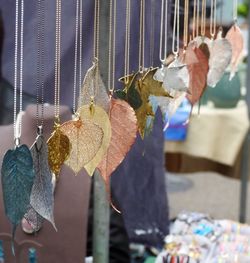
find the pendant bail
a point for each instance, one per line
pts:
(39, 130)
(17, 142)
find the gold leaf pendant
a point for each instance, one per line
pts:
(147, 86)
(58, 150)
(99, 117)
(86, 139)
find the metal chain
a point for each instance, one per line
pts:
(198, 18)
(57, 60)
(18, 130)
(21, 66)
(96, 28)
(16, 65)
(213, 18)
(80, 44)
(110, 42)
(76, 53)
(142, 36)
(161, 57)
(194, 19)
(235, 14)
(127, 41)
(186, 17)
(203, 18)
(176, 31)
(112, 45)
(152, 33)
(221, 14)
(40, 61)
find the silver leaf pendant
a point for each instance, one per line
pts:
(220, 58)
(42, 194)
(176, 76)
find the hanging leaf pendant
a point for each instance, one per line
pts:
(17, 181)
(147, 86)
(42, 195)
(124, 128)
(58, 149)
(220, 58)
(99, 117)
(93, 87)
(129, 92)
(235, 37)
(86, 139)
(198, 76)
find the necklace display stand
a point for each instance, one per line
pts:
(71, 204)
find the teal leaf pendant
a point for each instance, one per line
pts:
(42, 194)
(17, 180)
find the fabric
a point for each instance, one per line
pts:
(215, 134)
(139, 182)
(177, 129)
(141, 202)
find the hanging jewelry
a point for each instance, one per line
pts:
(220, 51)
(42, 194)
(17, 167)
(58, 143)
(168, 106)
(121, 114)
(235, 37)
(129, 92)
(85, 136)
(176, 76)
(93, 89)
(93, 96)
(142, 84)
(198, 70)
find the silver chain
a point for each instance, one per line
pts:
(57, 59)
(112, 45)
(127, 39)
(76, 53)
(164, 23)
(17, 134)
(152, 34)
(176, 31)
(40, 61)
(142, 36)
(213, 18)
(235, 15)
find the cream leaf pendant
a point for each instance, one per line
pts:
(99, 117)
(86, 139)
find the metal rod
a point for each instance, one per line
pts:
(101, 204)
(245, 154)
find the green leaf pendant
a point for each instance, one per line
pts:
(17, 180)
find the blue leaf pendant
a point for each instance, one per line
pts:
(17, 181)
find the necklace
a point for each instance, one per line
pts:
(235, 37)
(121, 114)
(85, 136)
(42, 194)
(17, 167)
(94, 102)
(58, 143)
